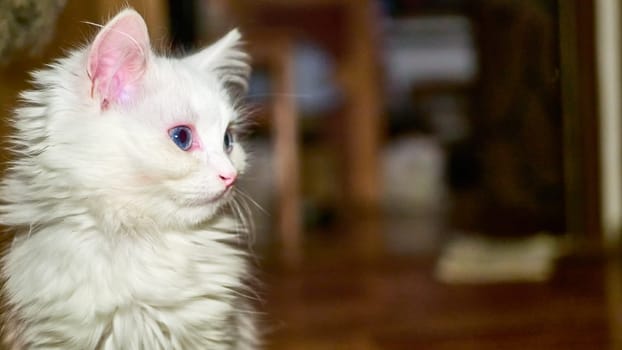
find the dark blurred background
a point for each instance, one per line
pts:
(427, 173)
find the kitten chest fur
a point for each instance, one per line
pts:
(178, 291)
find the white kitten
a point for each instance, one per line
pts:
(125, 160)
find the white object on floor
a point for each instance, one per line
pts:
(478, 259)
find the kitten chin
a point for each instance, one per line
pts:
(127, 233)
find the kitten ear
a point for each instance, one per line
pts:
(226, 60)
(118, 58)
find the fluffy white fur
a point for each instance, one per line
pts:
(121, 238)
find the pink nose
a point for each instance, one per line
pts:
(228, 179)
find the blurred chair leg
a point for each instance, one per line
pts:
(276, 51)
(359, 77)
(287, 156)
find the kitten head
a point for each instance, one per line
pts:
(141, 137)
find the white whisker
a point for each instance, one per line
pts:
(250, 199)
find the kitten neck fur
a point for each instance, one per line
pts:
(121, 237)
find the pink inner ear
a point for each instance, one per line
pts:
(118, 58)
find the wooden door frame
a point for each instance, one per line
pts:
(580, 109)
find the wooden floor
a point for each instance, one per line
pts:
(397, 304)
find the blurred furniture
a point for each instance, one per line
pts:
(345, 28)
(277, 55)
(516, 147)
(579, 98)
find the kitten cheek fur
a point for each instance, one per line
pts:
(118, 242)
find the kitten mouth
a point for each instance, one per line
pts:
(223, 195)
(212, 199)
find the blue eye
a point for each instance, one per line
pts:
(182, 136)
(228, 141)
